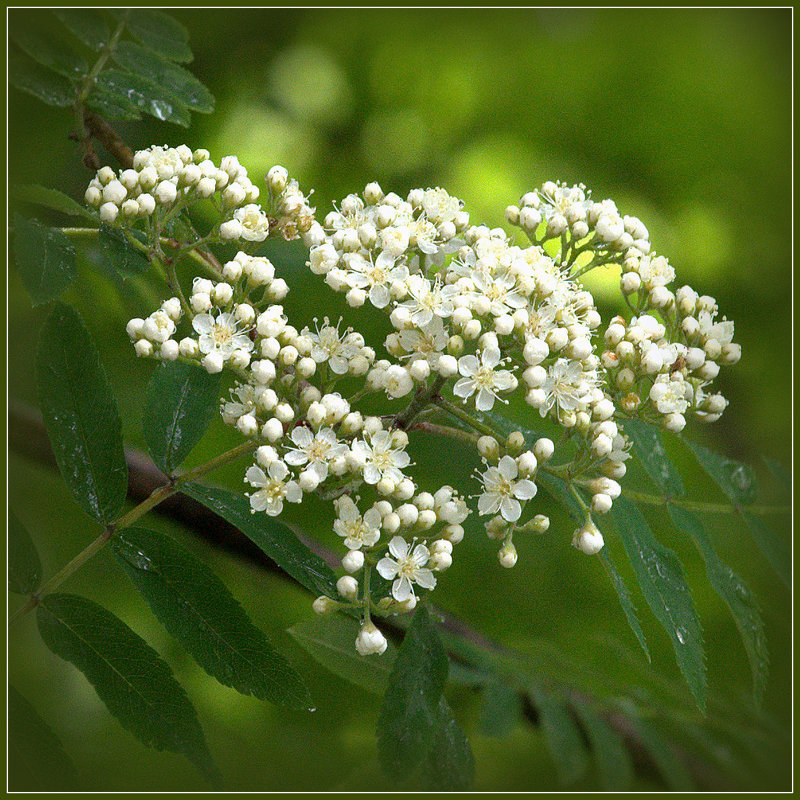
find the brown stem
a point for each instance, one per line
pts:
(109, 138)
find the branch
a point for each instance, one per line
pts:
(28, 438)
(109, 138)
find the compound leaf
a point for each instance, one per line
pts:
(45, 258)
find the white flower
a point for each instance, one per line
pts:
(254, 222)
(669, 395)
(721, 331)
(567, 386)
(500, 291)
(655, 271)
(502, 490)
(427, 342)
(381, 458)
(439, 206)
(272, 487)
(222, 335)
(331, 346)
(244, 403)
(406, 568)
(357, 531)
(370, 641)
(315, 450)
(428, 299)
(480, 376)
(376, 276)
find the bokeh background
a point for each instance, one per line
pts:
(683, 117)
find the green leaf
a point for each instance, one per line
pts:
(625, 599)
(36, 759)
(45, 258)
(779, 472)
(562, 735)
(449, 765)
(24, 564)
(182, 399)
(557, 489)
(199, 611)
(661, 579)
(120, 253)
(737, 480)
(272, 536)
(143, 94)
(330, 641)
(111, 104)
(128, 675)
(86, 24)
(649, 448)
(774, 548)
(49, 87)
(670, 767)
(160, 32)
(175, 82)
(501, 710)
(408, 718)
(80, 414)
(736, 595)
(609, 753)
(47, 49)
(48, 198)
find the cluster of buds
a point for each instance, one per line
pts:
(476, 318)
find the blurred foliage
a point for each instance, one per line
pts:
(683, 117)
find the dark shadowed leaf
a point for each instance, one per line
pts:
(49, 87)
(48, 50)
(557, 489)
(562, 735)
(664, 587)
(48, 198)
(610, 755)
(737, 480)
(450, 765)
(175, 82)
(649, 449)
(774, 548)
(200, 612)
(625, 599)
(502, 708)
(161, 33)
(120, 253)
(86, 24)
(111, 104)
(24, 564)
(272, 536)
(737, 596)
(81, 416)
(143, 94)
(408, 718)
(45, 259)
(36, 760)
(182, 399)
(330, 640)
(128, 675)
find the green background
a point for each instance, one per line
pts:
(683, 117)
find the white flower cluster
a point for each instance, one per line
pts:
(477, 318)
(165, 179)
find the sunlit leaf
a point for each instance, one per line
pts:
(271, 535)
(137, 687)
(86, 24)
(81, 416)
(774, 548)
(610, 755)
(664, 587)
(182, 399)
(161, 33)
(502, 708)
(563, 737)
(408, 718)
(175, 82)
(737, 480)
(737, 596)
(330, 640)
(625, 599)
(24, 564)
(48, 198)
(48, 86)
(200, 612)
(649, 449)
(36, 759)
(45, 259)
